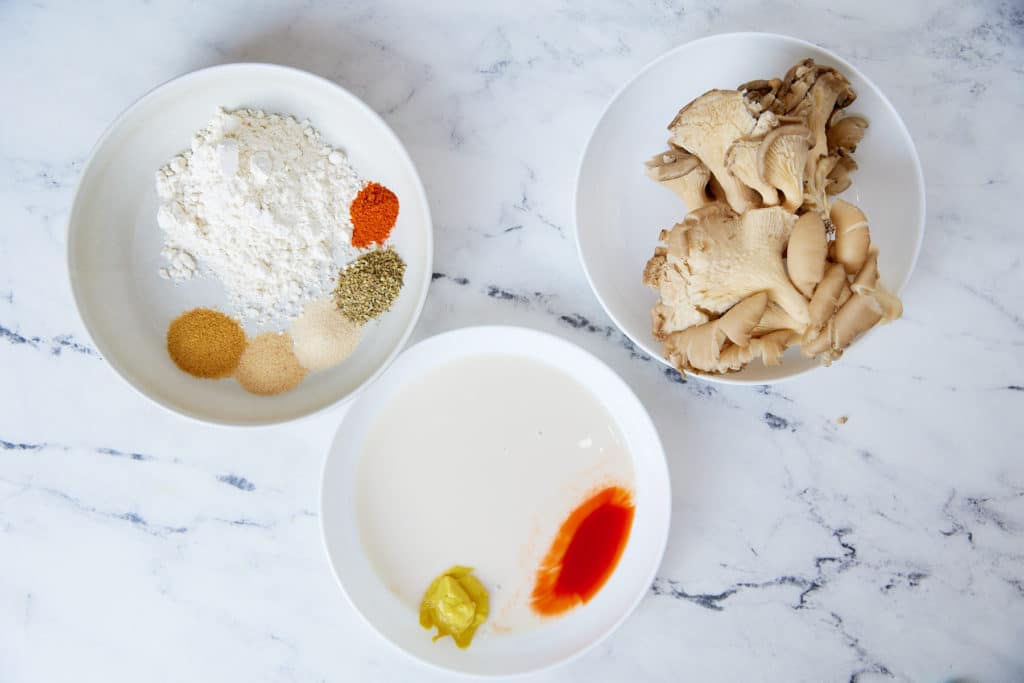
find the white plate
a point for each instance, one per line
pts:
(557, 640)
(114, 242)
(619, 211)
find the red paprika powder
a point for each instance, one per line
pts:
(373, 212)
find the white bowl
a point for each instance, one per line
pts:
(554, 641)
(619, 211)
(114, 242)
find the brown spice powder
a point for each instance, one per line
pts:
(205, 343)
(269, 365)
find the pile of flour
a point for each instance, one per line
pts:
(262, 204)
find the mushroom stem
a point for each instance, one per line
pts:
(805, 255)
(826, 296)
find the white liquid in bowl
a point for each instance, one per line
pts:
(478, 463)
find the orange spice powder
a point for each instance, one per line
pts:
(373, 212)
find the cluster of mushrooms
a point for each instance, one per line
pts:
(765, 258)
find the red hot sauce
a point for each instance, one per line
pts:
(585, 552)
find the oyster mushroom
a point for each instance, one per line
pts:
(707, 127)
(857, 308)
(699, 348)
(762, 92)
(738, 282)
(775, 319)
(853, 237)
(781, 158)
(765, 122)
(816, 185)
(682, 173)
(769, 348)
(805, 256)
(838, 179)
(739, 320)
(742, 161)
(826, 92)
(666, 273)
(854, 318)
(717, 259)
(795, 85)
(845, 133)
(867, 283)
(695, 348)
(826, 298)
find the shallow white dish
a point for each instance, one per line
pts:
(619, 211)
(114, 242)
(556, 640)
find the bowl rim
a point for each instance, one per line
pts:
(70, 238)
(660, 462)
(732, 35)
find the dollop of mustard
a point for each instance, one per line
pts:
(457, 604)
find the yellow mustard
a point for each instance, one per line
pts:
(456, 603)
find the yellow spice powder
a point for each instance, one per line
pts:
(205, 343)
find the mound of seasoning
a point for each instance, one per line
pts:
(585, 552)
(456, 603)
(369, 285)
(323, 337)
(373, 213)
(269, 365)
(205, 343)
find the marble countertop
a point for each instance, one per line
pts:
(136, 545)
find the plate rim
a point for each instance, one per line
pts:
(659, 462)
(70, 239)
(731, 35)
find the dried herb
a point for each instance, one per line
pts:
(369, 285)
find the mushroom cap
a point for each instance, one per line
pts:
(845, 133)
(674, 310)
(742, 162)
(839, 177)
(706, 127)
(781, 159)
(697, 347)
(761, 92)
(683, 173)
(729, 258)
(670, 164)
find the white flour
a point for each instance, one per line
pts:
(262, 204)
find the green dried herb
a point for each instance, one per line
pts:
(369, 285)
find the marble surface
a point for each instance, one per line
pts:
(136, 545)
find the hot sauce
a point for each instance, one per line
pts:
(585, 552)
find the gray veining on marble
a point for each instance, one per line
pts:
(135, 545)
